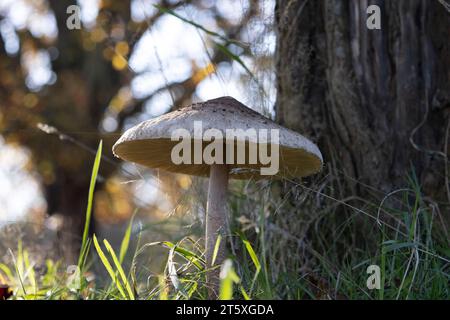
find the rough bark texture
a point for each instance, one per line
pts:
(216, 218)
(376, 101)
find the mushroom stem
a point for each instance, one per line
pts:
(216, 215)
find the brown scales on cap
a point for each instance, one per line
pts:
(149, 143)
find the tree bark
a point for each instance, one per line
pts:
(376, 101)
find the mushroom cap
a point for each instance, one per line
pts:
(149, 143)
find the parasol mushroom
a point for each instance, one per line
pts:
(230, 141)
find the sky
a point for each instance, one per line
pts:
(165, 53)
(19, 190)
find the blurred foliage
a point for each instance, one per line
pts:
(90, 82)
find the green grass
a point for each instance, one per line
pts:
(324, 251)
(289, 241)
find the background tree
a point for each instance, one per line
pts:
(376, 101)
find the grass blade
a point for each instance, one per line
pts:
(173, 275)
(251, 252)
(126, 240)
(196, 25)
(216, 249)
(109, 268)
(94, 174)
(119, 268)
(227, 278)
(187, 254)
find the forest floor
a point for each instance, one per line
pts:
(304, 243)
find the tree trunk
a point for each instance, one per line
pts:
(376, 101)
(75, 105)
(67, 198)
